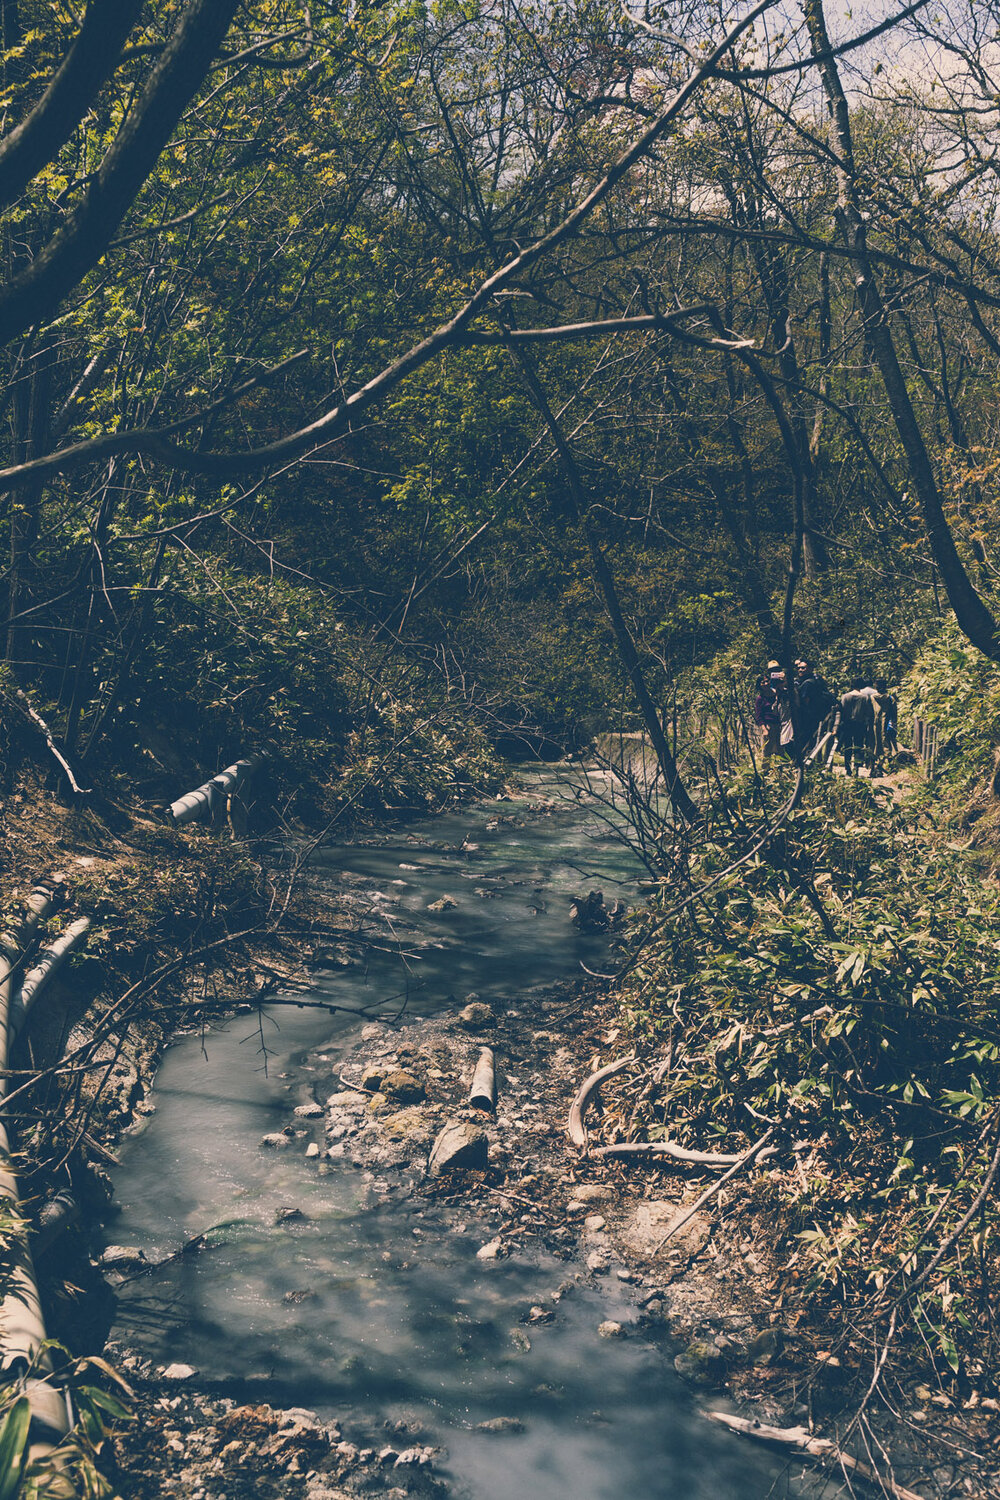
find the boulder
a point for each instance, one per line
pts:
(446, 903)
(475, 1016)
(701, 1363)
(500, 1424)
(400, 1086)
(610, 1329)
(459, 1146)
(309, 1111)
(123, 1258)
(766, 1347)
(652, 1221)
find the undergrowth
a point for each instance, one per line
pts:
(876, 1052)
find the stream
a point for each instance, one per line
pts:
(372, 1306)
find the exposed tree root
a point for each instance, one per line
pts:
(575, 1126)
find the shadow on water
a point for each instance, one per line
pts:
(373, 1304)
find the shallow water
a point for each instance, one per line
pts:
(373, 1306)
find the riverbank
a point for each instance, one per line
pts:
(711, 1298)
(707, 1299)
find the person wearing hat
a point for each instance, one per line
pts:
(767, 717)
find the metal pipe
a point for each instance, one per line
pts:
(22, 1327)
(57, 1215)
(204, 801)
(484, 1082)
(49, 963)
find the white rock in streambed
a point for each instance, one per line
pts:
(122, 1257)
(310, 1111)
(495, 1250)
(178, 1372)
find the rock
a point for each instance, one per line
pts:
(493, 1251)
(408, 1125)
(178, 1372)
(500, 1424)
(590, 1192)
(309, 1111)
(312, 1150)
(598, 1262)
(475, 1016)
(277, 1140)
(301, 1294)
(594, 1223)
(289, 1215)
(610, 1330)
(460, 1145)
(372, 1076)
(346, 1099)
(701, 1363)
(123, 1257)
(650, 1222)
(446, 903)
(400, 1086)
(766, 1347)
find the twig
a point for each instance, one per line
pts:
(714, 1187)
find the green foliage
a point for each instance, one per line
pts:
(95, 1392)
(878, 1046)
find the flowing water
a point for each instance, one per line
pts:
(373, 1306)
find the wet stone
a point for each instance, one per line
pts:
(400, 1086)
(701, 1363)
(475, 1016)
(459, 1146)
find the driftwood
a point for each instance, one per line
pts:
(824, 1450)
(677, 1153)
(23, 702)
(483, 1094)
(577, 1129)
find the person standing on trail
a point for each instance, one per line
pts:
(855, 726)
(815, 700)
(890, 716)
(767, 717)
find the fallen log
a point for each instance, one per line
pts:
(23, 702)
(574, 1125)
(483, 1094)
(824, 1450)
(206, 800)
